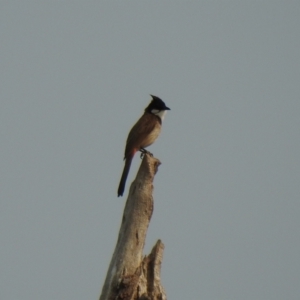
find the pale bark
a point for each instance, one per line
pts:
(130, 276)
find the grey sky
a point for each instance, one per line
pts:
(76, 75)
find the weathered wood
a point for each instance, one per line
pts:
(151, 274)
(130, 276)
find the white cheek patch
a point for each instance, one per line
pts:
(160, 113)
(155, 111)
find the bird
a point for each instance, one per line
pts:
(144, 133)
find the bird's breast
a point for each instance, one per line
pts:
(152, 136)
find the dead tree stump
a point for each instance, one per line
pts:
(131, 276)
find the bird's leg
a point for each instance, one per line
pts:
(144, 151)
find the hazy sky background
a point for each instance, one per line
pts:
(74, 78)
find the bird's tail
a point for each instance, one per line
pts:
(124, 175)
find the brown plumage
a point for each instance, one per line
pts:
(143, 134)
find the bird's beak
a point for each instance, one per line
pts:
(167, 108)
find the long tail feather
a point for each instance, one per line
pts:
(124, 175)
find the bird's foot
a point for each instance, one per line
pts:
(144, 151)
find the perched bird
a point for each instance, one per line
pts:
(143, 134)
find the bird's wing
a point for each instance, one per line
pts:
(143, 127)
